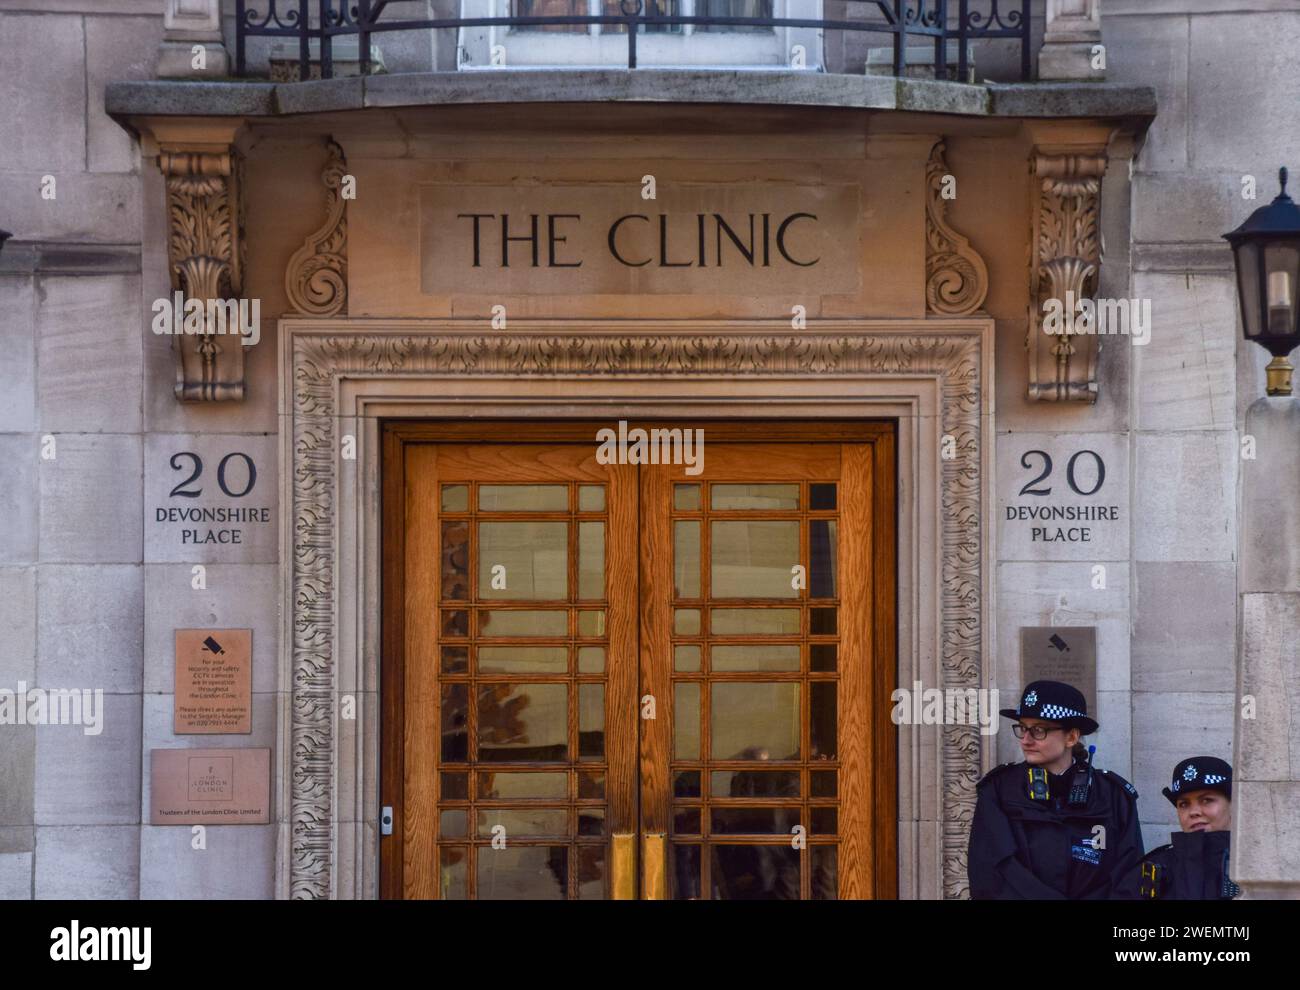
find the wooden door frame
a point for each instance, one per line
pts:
(396, 434)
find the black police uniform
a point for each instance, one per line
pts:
(1041, 847)
(1194, 865)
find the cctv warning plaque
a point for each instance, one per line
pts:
(214, 681)
(1061, 653)
(210, 786)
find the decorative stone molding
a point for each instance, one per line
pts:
(322, 361)
(316, 279)
(188, 24)
(956, 279)
(1065, 264)
(205, 255)
(1071, 33)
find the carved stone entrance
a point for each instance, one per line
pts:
(340, 377)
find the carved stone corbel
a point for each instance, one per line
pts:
(956, 279)
(1065, 264)
(316, 279)
(204, 250)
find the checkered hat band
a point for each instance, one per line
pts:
(1058, 711)
(1214, 778)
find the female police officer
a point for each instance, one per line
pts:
(1194, 866)
(1052, 827)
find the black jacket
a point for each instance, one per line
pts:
(1025, 849)
(1193, 867)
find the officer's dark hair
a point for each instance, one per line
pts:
(1080, 752)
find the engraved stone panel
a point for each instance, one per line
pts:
(746, 238)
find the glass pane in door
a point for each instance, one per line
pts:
(522, 804)
(756, 718)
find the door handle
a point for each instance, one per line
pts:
(654, 881)
(623, 866)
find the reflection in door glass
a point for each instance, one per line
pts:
(825, 876)
(523, 622)
(821, 568)
(497, 785)
(523, 659)
(453, 873)
(755, 720)
(774, 497)
(523, 873)
(686, 558)
(591, 560)
(686, 720)
(455, 561)
(754, 621)
(752, 558)
(522, 722)
(455, 498)
(822, 720)
(591, 721)
(591, 872)
(455, 723)
(550, 822)
(756, 656)
(754, 873)
(523, 498)
(523, 560)
(591, 498)
(685, 872)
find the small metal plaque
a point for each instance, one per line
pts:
(1061, 653)
(214, 681)
(210, 786)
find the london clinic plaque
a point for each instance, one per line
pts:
(1061, 653)
(209, 786)
(214, 681)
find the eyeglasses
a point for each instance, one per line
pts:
(1037, 731)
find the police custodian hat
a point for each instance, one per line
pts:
(1055, 702)
(1200, 773)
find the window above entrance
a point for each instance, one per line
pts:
(716, 33)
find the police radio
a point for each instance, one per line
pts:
(1082, 782)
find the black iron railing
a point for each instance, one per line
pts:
(940, 21)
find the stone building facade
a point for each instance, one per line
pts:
(126, 174)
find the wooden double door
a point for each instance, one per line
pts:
(638, 680)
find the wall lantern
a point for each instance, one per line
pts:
(1266, 250)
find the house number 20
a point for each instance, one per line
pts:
(1070, 479)
(196, 464)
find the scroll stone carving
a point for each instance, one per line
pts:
(321, 360)
(204, 251)
(316, 279)
(956, 279)
(1065, 266)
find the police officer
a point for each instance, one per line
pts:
(1194, 865)
(1052, 827)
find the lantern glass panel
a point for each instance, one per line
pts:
(1248, 272)
(1282, 264)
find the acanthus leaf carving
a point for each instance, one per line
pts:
(1064, 270)
(204, 255)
